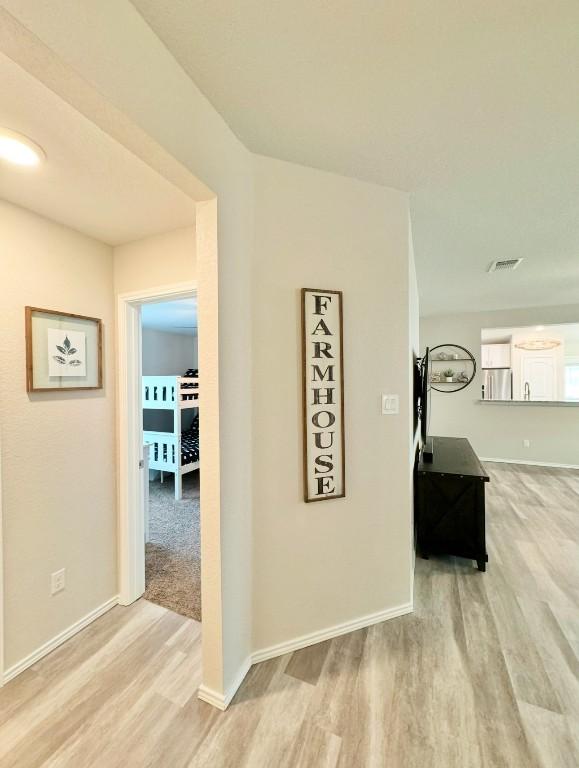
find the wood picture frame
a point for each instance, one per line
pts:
(84, 369)
(327, 321)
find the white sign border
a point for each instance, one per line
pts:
(305, 388)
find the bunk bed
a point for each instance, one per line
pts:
(176, 451)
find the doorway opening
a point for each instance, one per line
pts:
(171, 400)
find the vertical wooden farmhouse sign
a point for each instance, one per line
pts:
(323, 396)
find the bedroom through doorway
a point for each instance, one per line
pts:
(170, 420)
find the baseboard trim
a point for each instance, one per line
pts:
(61, 638)
(327, 634)
(209, 696)
(222, 700)
(533, 463)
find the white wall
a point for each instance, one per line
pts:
(58, 449)
(104, 59)
(165, 259)
(318, 565)
(168, 354)
(498, 431)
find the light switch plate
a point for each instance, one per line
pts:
(390, 404)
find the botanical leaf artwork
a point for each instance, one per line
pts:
(66, 350)
(67, 353)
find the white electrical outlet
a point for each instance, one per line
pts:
(57, 581)
(526, 443)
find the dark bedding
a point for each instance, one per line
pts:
(192, 372)
(190, 445)
(190, 437)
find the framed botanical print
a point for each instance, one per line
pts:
(63, 351)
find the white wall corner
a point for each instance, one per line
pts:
(222, 700)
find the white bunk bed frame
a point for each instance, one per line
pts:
(167, 393)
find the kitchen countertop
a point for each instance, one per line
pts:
(556, 403)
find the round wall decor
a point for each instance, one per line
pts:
(452, 368)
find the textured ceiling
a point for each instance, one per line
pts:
(472, 107)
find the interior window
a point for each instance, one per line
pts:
(531, 363)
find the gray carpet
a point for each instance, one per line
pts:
(172, 555)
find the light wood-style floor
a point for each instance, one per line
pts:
(484, 674)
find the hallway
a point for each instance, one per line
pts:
(482, 675)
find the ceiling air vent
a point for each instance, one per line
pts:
(503, 266)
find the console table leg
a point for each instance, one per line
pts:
(481, 564)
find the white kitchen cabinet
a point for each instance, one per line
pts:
(495, 356)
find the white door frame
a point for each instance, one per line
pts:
(2, 613)
(130, 432)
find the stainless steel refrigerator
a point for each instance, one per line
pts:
(498, 384)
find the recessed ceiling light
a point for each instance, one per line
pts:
(539, 327)
(18, 149)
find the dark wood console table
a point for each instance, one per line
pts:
(450, 502)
